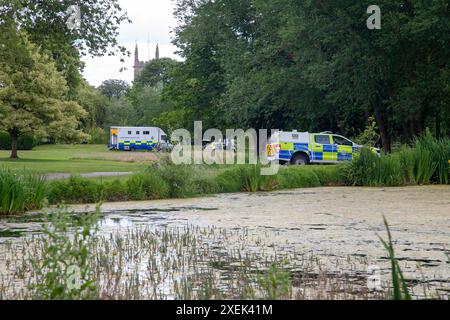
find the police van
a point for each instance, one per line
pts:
(136, 138)
(303, 148)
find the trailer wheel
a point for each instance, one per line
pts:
(300, 159)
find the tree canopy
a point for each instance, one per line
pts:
(314, 65)
(32, 92)
(114, 89)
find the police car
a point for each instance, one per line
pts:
(303, 148)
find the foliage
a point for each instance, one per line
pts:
(169, 121)
(314, 66)
(30, 97)
(369, 137)
(149, 185)
(98, 136)
(156, 72)
(114, 89)
(400, 289)
(246, 178)
(75, 190)
(146, 104)
(46, 23)
(25, 142)
(276, 282)
(424, 163)
(96, 105)
(21, 191)
(64, 273)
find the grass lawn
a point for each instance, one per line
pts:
(75, 159)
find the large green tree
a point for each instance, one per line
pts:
(32, 92)
(46, 23)
(314, 65)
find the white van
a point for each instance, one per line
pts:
(136, 138)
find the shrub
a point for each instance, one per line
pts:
(180, 180)
(206, 185)
(98, 136)
(329, 175)
(115, 191)
(21, 191)
(297, 177)
(76, 190)
(246, 178)
(147, 186)
(64, 257)
(432, 159)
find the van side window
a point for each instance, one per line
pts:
(322, 139)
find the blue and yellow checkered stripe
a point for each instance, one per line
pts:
(326, 152)
(137, 144)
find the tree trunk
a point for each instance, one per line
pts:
(14, 138)
(376, 103)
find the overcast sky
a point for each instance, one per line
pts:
(152, 19)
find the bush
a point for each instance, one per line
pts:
(76, 190)
(368, 169)
(21, 191)
(147, 186)
(329, 175)
(246, 178)
(98, 136)
(115, 191)
(297, 177)
(181, 180)
(432, 159)
(25, 142)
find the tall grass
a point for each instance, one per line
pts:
(246, 178)
(400, 289)
(424, 163)
(435, 154)
(21, 191)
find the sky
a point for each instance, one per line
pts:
(151, 20)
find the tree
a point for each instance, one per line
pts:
(314, 65)
(96, 105)
(147, 103)
(46, 24)
(32, 91)
(114, 89)
(157, 71)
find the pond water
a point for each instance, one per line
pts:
(326, 239)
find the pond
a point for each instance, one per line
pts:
(316, 243)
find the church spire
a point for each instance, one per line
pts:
(136, 54)
(157, 51)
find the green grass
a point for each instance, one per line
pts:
(67, 159)
(400, 289)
